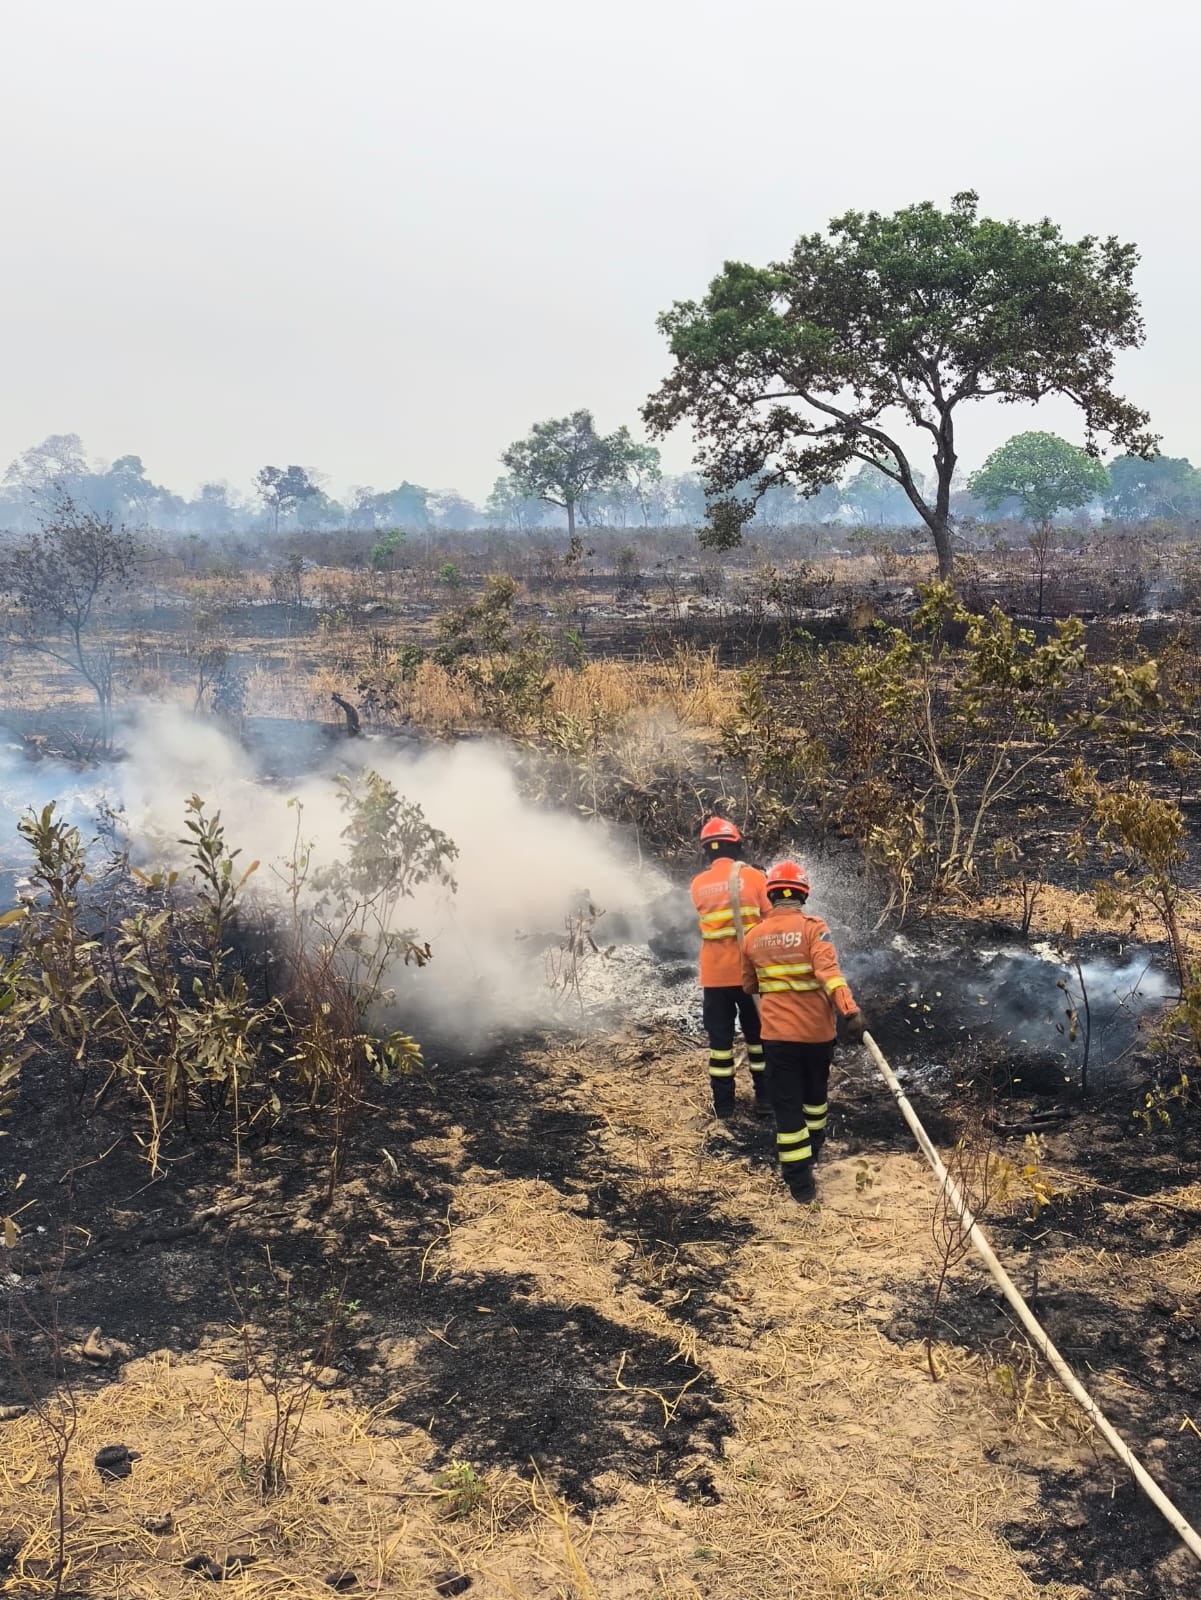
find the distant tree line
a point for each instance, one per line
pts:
(565, 472)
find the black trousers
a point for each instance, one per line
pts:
(722, 1010)
(798, 1077)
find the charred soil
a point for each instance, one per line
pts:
(548, 1255)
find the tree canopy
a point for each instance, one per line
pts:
(1165, 486)
(283, 488)
(1043, 473)
(885, 326)
(565, 460)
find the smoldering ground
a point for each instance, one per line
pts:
(528, 881)
(554, 918)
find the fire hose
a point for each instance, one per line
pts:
(1038, 1335)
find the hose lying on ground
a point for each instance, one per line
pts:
(1027, 1318)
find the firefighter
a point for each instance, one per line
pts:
(790, 962)
(730, 897)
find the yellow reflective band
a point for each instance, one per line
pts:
(795, 1155)
(717, 916)
(721, 1055)
(720, 1072)
(787, 969)
(835, 983)
(816, 1111)
(799, 1137)
(779, 985)
(726, 933)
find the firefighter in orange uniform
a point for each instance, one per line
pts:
(730, 897)
(790, 962)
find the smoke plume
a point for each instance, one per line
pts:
(520, 873)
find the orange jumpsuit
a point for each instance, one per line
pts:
(725, 1000)
(790, 962)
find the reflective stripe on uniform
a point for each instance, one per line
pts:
(815, 1116)
(712, 922)
(835, 983)
(794, 976)
(804, 1153)
(721, 1063)
(800, 1136)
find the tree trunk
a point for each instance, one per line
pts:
(940, 528)
(571, 519)
(940, 523)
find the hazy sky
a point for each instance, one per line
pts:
(380, 237)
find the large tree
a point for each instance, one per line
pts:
(1165, 486)
(1041, 474)
(281, 489)
(565, 460)
(882, 329)
(876, 501)
(406, 506)
(507, 507)
(58, 463)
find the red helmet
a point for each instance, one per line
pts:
(789, 877)
(720, 831)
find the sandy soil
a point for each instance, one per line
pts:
(594, 1351)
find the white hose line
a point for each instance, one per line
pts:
(1027, 1318)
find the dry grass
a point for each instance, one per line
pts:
(361, 1495)
(687, 682)
(849, 1474)
(1057, 908)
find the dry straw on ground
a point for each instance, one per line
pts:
(848, 1474)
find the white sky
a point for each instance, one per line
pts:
(381, 237)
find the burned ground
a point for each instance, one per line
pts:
(500, 1376)
(551, 1259)
(504, 1347)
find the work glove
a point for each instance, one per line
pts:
(855, 1027)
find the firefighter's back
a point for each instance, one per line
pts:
(721, 961)
(785, 950)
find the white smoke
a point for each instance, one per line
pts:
(521, 870)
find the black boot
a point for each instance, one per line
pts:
(801, 1185)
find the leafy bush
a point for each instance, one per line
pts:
(157, 999)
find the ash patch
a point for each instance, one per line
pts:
(929, 1003)
(630, 983)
